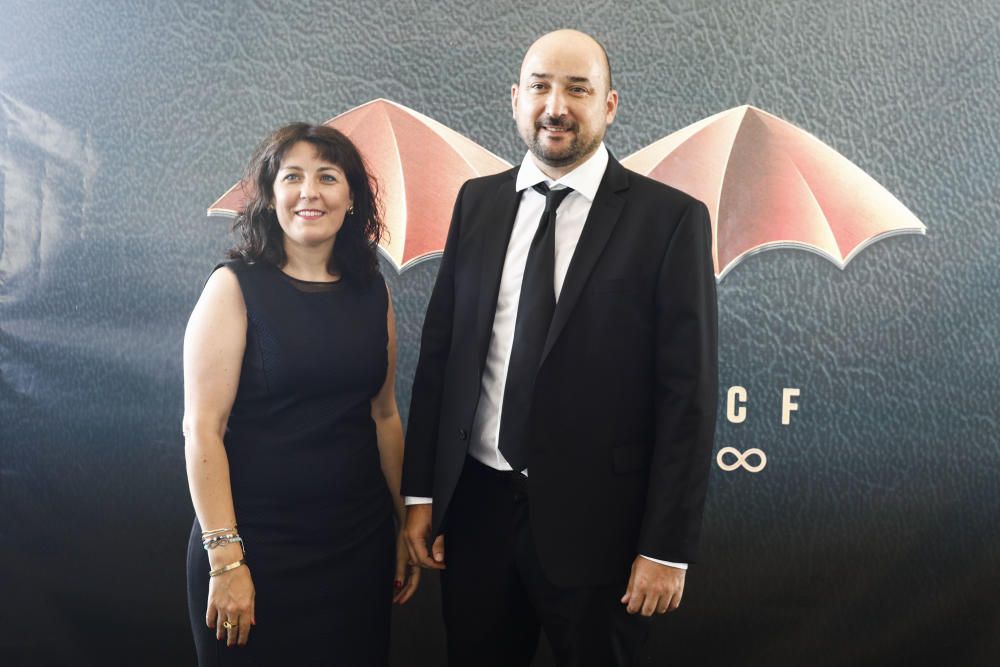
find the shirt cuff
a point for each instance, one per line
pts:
(679, 566)
(417, 500)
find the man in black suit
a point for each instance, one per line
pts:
(563, 409)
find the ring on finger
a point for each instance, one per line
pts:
(229, 625)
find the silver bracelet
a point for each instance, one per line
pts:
(205, 534)
(219, 541)
(227, 568)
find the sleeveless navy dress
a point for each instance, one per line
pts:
(311, 502)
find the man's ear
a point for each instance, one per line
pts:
(513, 101)
(612, 106)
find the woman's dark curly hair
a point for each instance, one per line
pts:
(259, 236)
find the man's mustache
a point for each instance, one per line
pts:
(552, 121)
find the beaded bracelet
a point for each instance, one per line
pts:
(226, 568)
(220, 540)
(217, 531)
(213, 542)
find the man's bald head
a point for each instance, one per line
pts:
(572, 40)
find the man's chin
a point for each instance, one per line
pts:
(555, 157)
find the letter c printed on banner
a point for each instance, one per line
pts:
(741, 459)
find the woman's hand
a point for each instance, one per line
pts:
(231, 599)
(407, 572)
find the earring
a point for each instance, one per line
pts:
(350, 211)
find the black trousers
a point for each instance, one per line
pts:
(496, 598)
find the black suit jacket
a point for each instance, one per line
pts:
(625, 397)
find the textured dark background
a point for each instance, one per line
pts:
(871, 538)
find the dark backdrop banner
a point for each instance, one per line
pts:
(870, 537)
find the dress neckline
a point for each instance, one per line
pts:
(311, 282)
(308, 286)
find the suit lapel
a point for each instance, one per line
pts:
(604, 213)
(496, 236)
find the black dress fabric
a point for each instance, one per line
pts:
(311, 502)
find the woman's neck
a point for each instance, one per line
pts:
(309, 263)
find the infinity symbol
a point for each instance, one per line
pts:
(741, 459)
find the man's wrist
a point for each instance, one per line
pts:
(679, 566)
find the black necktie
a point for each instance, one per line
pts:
(534, 314)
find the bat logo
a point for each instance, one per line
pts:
(767, 183)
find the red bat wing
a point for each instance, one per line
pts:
(231, 203)
(769, 184)
(420, 165)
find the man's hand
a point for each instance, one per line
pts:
(653, 588)
(417, 530)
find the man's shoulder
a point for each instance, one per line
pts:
(487, 184)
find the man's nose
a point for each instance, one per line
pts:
(555, 104)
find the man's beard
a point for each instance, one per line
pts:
(566, 155)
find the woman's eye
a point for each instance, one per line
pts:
(290, 177)
(329, 178)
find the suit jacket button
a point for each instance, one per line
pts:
(463, 434)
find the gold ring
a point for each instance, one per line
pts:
(228, 625)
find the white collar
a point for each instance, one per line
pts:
(585, 179)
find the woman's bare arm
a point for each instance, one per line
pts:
(387, 424)
(213, 355)
(389, 430)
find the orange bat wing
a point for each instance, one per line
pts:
(769, 184)
(420, 165)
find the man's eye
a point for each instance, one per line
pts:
(537, 86)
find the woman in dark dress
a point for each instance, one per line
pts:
(292, 436)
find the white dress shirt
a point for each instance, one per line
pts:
(484, 444)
